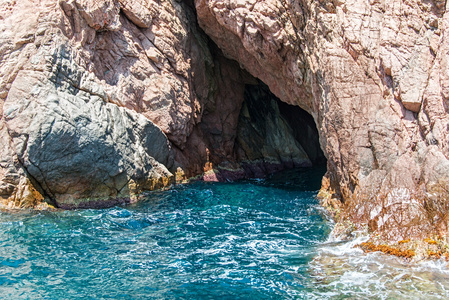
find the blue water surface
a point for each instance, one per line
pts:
(241, 240)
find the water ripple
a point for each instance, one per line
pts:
(248, 240)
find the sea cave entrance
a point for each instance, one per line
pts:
(274, 136)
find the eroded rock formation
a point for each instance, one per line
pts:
(373, 74)
(96, 96)
(101, 100)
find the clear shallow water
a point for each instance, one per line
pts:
(247, 240)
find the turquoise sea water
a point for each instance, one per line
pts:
(260, 239)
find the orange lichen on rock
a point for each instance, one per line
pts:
(435, 254)
(404, 242)
(430, 241)
(370, 247)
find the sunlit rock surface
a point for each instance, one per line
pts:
(95, 97)
(374, 77)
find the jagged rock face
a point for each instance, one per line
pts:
(61, 128)
(374, 75)
(77, 146)
(98, 98)
(101, 100)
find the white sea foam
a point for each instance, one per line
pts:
(358, 275)
(341, 248)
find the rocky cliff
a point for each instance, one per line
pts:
(101, 100)
(373, 74)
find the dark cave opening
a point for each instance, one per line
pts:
(273, 136)
(245, 131)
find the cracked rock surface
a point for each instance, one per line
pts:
(88, 100)
(101, 100)
(374, 76)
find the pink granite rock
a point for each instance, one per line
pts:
(108, 82)
(374, 77)
(104, 99)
